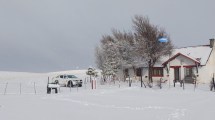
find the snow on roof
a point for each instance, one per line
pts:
(199, 53)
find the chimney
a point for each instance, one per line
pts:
(212, 40)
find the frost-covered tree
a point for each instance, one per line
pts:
(147, 35)
(127, 47)
(115, 52)
(107, 56)
(100, 59)
(132, 49)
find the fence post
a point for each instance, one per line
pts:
(195, 84)
(174, 83)
(183, 84)
(92, 84)
(70, 85)
(35, 92)
(129, 82)
(160, 83)
(85, 83)
(59, 90)
(5, 90)
(20, 88)
(95, 83)
(213, 82)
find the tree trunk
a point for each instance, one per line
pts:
(124, 75)
(134, 69)
(141, 78)
(150, 72)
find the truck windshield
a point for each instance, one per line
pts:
(71, 76)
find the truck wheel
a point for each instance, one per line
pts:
(70, 84)
(80, 85)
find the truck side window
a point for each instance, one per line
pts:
(61, 76)
(65, 76)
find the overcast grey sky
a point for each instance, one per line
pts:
(54, 35)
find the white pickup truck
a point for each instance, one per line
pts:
(67, 80)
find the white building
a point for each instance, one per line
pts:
(185, 63)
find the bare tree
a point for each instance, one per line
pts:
(147, 35)
(133, 49)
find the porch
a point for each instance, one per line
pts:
(184, 73)
(182, 68)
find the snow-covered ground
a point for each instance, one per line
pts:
(106, 102)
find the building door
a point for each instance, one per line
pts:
(188, 75)
(176, 73)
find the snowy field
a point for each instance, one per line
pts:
(106, 102)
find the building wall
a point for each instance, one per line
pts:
(205, 72)
(208, 71)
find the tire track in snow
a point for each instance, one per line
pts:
(178, 114)
(175, 113)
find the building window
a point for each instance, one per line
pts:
(126, 73)
(157, 72)
(138, 72)
(188, 72)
